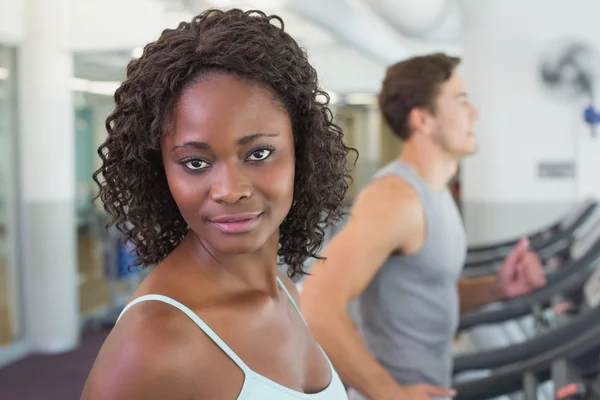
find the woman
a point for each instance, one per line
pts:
(219, 160)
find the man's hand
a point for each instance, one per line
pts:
(521, 273)
(425, 392)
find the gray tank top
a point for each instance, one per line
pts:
(409, 312)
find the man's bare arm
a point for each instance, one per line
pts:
(478, 292)
(384, 220)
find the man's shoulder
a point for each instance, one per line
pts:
(388, 207)
(389, 192)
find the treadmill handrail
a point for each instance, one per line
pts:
(565, 280)
(495, 358)
(566, 236)
(591, 206)
(508, 379)
(551, 275)
(568, 288)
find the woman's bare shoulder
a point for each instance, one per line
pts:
(151, 353)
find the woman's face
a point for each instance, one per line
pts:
(229, 162)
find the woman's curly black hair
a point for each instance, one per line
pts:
(132, 181)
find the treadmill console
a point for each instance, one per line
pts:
(592, 289)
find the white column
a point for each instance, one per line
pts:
(372, 139)
(522, 124)
(367, 139)
(46, 155)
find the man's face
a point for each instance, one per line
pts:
(454, 119)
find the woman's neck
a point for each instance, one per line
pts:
(256, 271)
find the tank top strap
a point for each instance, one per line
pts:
(404, 171)
(291, 299)
(197, 320)
(408, 174)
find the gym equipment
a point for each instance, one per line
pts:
(122, 277)
(498, 357)
(569, 358)
(508, 380)
(552, 241)
(539, 235)
(505, 328)
(568, 280)
(554, 257)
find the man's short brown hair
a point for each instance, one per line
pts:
(411, 83)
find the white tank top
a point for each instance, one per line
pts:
(255, 386)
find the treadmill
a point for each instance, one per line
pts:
(550, 242)
(567, 358)
(568, 279)
(541, 235)
(553, 256)
(574, 316)
(511, 322)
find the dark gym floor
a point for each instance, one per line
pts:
(59, 377)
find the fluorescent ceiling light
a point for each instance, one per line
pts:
(106, 88)
(137, 52)
(3, 73)
(361, 99)
(79, 85)
(334, 98)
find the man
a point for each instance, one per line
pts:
(402, 251)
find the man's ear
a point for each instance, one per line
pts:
(420, 120)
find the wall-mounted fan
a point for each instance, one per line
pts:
(569, 69)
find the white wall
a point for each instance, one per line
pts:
(588, 160)
(120, 24)
(520, 123)
(113, 25)
(342, 69)
(99, 24)
(11, 21)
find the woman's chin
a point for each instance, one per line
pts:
(238, 245)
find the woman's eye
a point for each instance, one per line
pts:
(196, 164)
(259, 155)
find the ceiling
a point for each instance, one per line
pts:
(350, 42)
